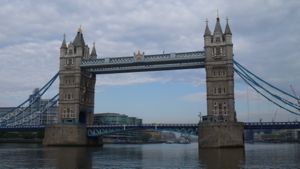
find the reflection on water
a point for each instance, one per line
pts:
(157, 156)
(69, 157)
(222, 158)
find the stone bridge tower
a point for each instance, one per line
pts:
(77, 86)
(219, 128)
(76, 95)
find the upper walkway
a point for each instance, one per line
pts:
(142, 63)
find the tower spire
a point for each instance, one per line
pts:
(79, 40)
(80, 29)
(227, 28)
(207, 31)
(218, 29)
(94, 53)
(64, 44)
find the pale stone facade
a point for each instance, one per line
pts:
(220, 128)
(76, 96)
(77, 87)
(219, 74)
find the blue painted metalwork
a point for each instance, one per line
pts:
(29, 128)
(191, 129)
(98, 130)
(271, 96)
(142, 63)
(94, 131)
(271, 125)
(22, 113)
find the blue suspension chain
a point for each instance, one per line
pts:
(43, 89)
(235, 62)
(244, 78)
(272, 94)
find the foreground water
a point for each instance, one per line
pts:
(158, 156)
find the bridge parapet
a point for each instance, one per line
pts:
(271, 125)
(102, 130)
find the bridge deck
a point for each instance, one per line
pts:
(142, 63)
(193, 126)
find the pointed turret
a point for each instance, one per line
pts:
(79, 40)
(63, 47)
(227, 29)
(94, 53)
(207, 31)
(218, 29)
(64, 44)
(227, 33)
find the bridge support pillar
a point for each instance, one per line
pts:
(221, 135)
(68, 135)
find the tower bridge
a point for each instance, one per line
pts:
(77, 74)
(79, 66)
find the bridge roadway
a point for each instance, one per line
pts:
(142, 63)
(98, 130)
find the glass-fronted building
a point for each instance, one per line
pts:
(115, 119)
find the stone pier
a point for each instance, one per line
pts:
(221, 135)
(68, 135)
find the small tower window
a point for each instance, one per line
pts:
(220, 108)
(218, 39)
(225, 108)
(218, 51)
(215, 108)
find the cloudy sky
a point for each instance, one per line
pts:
(265, 35)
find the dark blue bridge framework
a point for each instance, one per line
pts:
(189, 129)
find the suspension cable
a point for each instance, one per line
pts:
(236, 63)
(272, 94)
(244, 78)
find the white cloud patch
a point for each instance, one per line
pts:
(195, 97)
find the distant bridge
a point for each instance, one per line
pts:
(102, 130)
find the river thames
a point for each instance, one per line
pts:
(157, 156)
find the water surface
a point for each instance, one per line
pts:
(157, 156)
